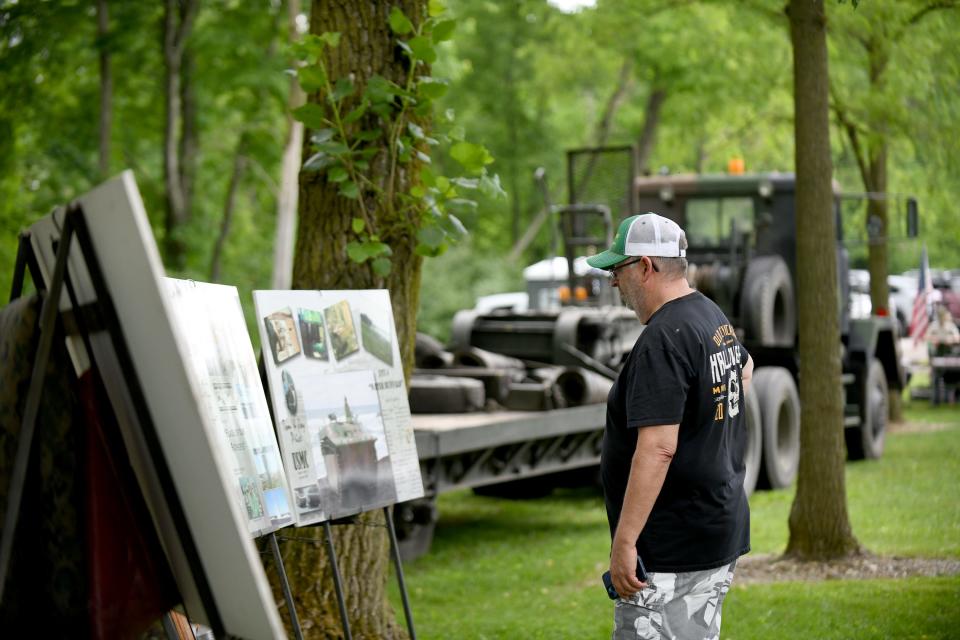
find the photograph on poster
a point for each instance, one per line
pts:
(343, 423)
(282, 335)
(313, 334)
(210, 320)
(343, 335)
(376, 340)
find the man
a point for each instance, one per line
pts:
(672, 461)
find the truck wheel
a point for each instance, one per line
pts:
(754, 450)
(415, 522)
(780, 416)
(867, 440)
(767, 304)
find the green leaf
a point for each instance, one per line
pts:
(312, 78)
(430, 252)
(349, 190)
(343, 88)
(331, 38)
(432, 88)
(416, 131)
(369, 135)
(428, 177)
(467, 183)
(358, 225)
(423, 49)
(443, 184)
(381, 266)
(357, 113)
(422, 157)
(322, 135)
(457, 133)
(312, 115)
(431, 235)
(332, 148)
(490, 187)
(455, 227)
(380, 90)
(436, 7)
(462, 205)
(472, 157)
(337, 174)
(418, 191)
(444, 30)
(399, 23)
(318, 161)
(357, 252)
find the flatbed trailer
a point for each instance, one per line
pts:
(484, 449)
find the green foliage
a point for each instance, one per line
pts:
(455, 280)
(352, 125)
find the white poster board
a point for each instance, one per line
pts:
(339, 399)
(127, 253)
(210, 321)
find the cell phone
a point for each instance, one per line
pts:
(608, 581)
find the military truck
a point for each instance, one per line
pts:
(742, 254)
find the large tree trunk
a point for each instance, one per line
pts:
(290, 168)
(367, 47)
(819, 524)
(177, 24)
(106, 89)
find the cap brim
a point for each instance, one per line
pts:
(606, 259)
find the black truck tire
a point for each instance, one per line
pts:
(866, 440)
(780, 416)
(767, 304)
(754, 451)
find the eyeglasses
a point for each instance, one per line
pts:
(613, 271)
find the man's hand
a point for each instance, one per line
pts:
(623, 570)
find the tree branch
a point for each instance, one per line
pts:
(852, 135)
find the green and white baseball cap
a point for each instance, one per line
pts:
(648, 234)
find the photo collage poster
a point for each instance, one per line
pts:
(210, 320)
(340, 402)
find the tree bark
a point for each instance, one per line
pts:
(819, 523)
(290, 168)
(106, 89)
(177, 24)
(367, 47)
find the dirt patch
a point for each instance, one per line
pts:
(761, 569)
(916, 427)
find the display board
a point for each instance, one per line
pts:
(210, 321)
(340, 402)
(200, 524)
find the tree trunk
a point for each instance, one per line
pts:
(819, 524)
(106, 89)
(189, 133)
(651, 120)
(367, 47)
(290, 168)
(177, 23)
(239, 168)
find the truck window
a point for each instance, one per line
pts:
(708, 219)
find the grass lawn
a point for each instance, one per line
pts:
(531, 569)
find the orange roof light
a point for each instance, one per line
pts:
(735, 166)
(580, 293)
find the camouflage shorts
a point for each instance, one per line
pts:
(675, 605)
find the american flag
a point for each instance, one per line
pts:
(920, 318)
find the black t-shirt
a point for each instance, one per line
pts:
(684, 369)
